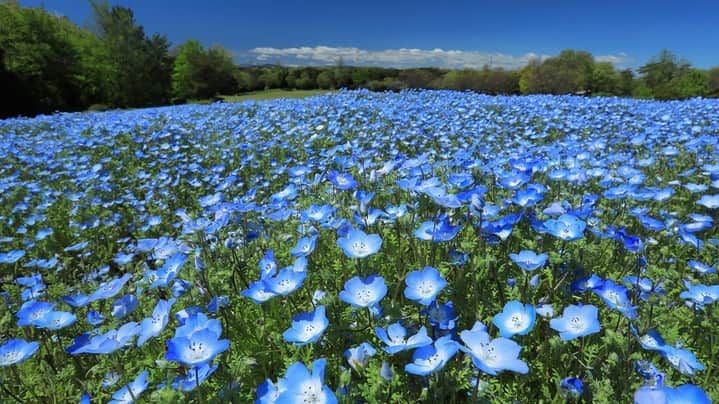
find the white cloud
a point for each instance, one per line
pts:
(620, 59)
(452, 59)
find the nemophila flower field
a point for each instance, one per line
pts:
(363, 247)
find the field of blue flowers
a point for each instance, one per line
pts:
(422, 246)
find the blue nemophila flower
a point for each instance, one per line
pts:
(616, 297)
(652, 393)
(94, 317)
(709, 201)
(193, 378)
(15, 351)
(576, 321)
(395, 338)
(217, 303)
(701, 295)
(105, 343)
(301, 386)
(268, 265)
(304, 246)
(492, 356)
(342, 181)
(681, 359)
(386, 371)
(567, 227)
(359, 356)
(572, 386)
(365, 292)
(55, 320)
(529, 260)
(442, 316)
(124, 306)
(307, 327)
(153, 326)
(109, 289)
(357, 244)
(545, 310)
(687, 394)
(700, 267)
(431, 358)
(424, 285)
(587, 283)
(11, 257)
(516, 318)
(32, 312)
(259, 292)
(285, 282)
(437, 231)
(131, 392)
(267, 392)
(196, 348)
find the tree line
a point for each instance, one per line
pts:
(47, 64)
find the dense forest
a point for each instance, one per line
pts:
(47, 64)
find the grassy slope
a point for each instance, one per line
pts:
(273, 94)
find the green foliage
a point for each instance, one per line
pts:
(569, 72)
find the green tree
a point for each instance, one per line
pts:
(713, 82)
(139, 66)
(605, 80)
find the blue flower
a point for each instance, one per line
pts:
(616, 297)
(573, 386)
(15, 351)
(124, 306)
(94, 317)
(307, 327)
(365, 292)
(681, 359)
(105, 343)
(431, 358)
(492, 356)
(516, 318)
(652, 393)
(701, 267)
(567, 227)
(709, 201)
(437, 231)
(268, 265)
(359, 356)
(109, 289)
(217, 303)
(196, 349)
(529, 260)
(423, 286)
(259, 292)
(56, 320)
(11, 257)
(285, 282)
(687, 394)
(32, 312)
(395, 338)
(576, 321)
(342, 181)
(301, 386)
(357, 244)
(442, 316)
(153, 326)
(195, 376)
(129, 393)
(304, 246)
(701, 295)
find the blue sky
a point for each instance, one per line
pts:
(428, 33)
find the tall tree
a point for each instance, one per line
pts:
(139, 65)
